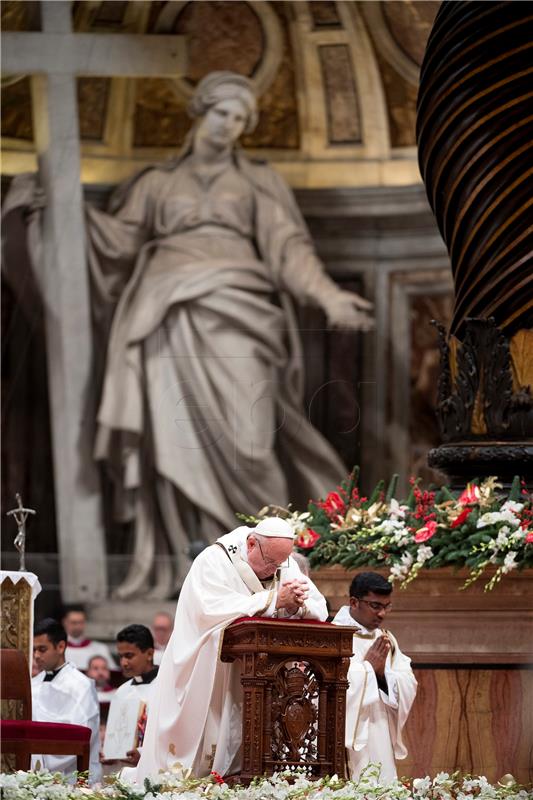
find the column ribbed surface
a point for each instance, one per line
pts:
(475, 141)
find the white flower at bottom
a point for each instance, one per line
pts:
(421, 785)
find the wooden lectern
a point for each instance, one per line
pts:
(293, 675)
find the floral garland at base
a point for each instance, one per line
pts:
(477, 528)
(179, 785)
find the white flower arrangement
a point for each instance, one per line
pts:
(290, 785)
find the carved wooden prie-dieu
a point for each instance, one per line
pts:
(293, 676)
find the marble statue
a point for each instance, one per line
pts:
(200, 260)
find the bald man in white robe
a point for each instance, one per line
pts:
(195, 716)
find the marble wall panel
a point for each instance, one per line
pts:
(17, 118)
(19, 15)
(279, 122)
(424, 374)
(410, 25)
(478, 720)
(222, 35)
(160, 117)
(333, 369)
(340, 94)
(27, 465)
(324, 14)
(93, 96)
(401, 104)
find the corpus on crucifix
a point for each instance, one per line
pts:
(20, 515)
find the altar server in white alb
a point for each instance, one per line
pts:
(61, 693)
(195, 714)
(135, 646)
(382, 686)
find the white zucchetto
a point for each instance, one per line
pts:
(275, 528)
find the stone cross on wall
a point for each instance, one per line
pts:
(54, 57)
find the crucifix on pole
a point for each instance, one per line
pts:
(54, 57)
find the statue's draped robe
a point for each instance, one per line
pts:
(196, 709)
(201, 411)
(202, 401)
(375, 719)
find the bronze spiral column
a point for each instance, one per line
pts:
(475, 143)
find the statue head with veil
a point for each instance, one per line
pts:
(202, 260)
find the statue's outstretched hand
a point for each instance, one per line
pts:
(348, 310)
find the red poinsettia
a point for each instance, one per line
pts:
(461, 518)
(307, 539)
(333, 505)
(425, 533)
(529, 537)
(470, 495)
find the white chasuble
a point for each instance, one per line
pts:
(374, 718)
(70, 697)
(195, 711)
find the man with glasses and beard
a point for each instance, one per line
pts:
(195, 712)
(382, 686)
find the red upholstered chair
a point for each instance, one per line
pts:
(24, 737)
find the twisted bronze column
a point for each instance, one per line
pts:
(475, 143)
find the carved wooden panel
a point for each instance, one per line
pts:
(294, 710)
(340, 94)
(16, 602)
(294, 694)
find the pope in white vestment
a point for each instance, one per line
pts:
(68, 697)
(377, 703)
(195, 710)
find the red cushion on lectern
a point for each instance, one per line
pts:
(275, 619)
(45, 731)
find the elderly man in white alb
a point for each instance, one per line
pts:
(195, 713)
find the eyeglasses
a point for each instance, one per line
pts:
(375, 606)
(268, 562)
